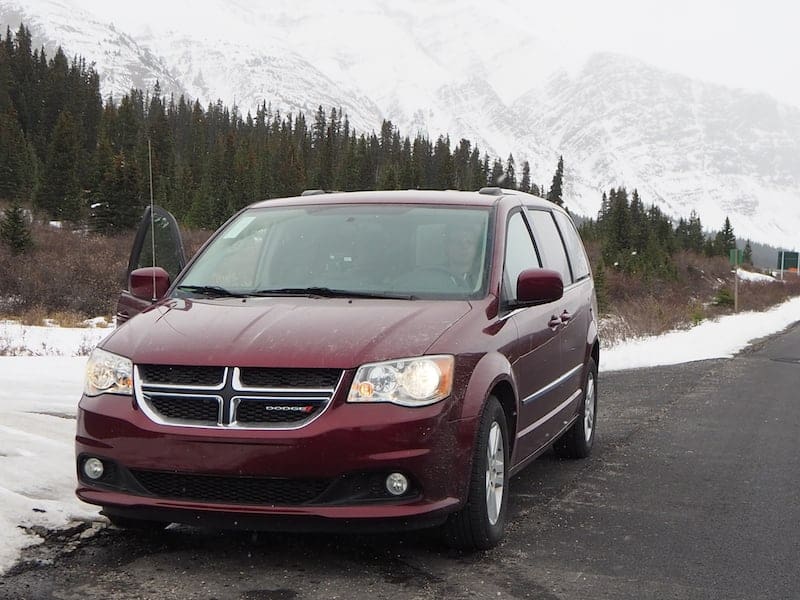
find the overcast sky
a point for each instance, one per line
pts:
(752, 44)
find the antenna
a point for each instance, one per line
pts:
(152, 216)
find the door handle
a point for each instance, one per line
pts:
(554, 322)
(566, 317)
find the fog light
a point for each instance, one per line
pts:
(93, 468)
(396, 484)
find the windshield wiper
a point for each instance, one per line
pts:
(327, 292)
(211, 290)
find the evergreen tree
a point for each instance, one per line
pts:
(725, 240)
(442, 164)
(119, 203)
(17, 160)
(6, 79)
(477, 171)
(497, 177)
(14, 230)
(387, 178)
(695, 239)
(555, 193)
(407, 179)
(59, 195)
(747, 254)
(525, 183)
(509, 174)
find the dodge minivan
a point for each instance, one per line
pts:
(357, 361)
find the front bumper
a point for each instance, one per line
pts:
(325, 476)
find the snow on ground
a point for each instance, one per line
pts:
(711, 339)
(39, 394)
(753, 277)
(16, 339)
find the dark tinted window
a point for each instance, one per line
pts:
(520, 254)
(575, 251)
(549, 243)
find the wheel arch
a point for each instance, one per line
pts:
(504, 392)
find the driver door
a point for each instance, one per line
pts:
(157, 243)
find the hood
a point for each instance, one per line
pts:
(299, 332)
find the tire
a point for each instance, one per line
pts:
(578, 440)
(137, 524)
(480, 523)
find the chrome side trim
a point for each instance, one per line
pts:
(516, 311)
(553, 384)
(551, 414)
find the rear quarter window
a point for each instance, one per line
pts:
(575, 250)
(549, 242)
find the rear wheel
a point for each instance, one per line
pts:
(578, 440)
(479, 525)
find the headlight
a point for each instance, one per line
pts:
(107, 373)
(408, 382)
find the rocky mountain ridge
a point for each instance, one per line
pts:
(685, 144)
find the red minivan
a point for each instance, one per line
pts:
(357, 361)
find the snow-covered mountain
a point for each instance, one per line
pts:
(467, 68)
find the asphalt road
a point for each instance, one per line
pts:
(692, 492)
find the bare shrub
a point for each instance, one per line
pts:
(69, 276)
(69, 272)
(193, 239)
(703, 288)
(758, 295)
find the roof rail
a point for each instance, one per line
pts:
(491, 191)
(312, 192)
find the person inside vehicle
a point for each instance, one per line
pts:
(461, 247)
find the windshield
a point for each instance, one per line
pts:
(373, 250)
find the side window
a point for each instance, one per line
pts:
(549, 243)
(575, 251)
(520, 254)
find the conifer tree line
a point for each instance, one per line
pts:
(80, 159)
(641, 239)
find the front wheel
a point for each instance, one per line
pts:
(480, 524)
(578, 440)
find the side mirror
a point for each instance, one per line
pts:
(539, 286)
(148, 283)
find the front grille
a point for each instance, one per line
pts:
(187, 408)
(231, 490)
(289, 378)
(180, 375)
(232, 397)
(270, 411)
